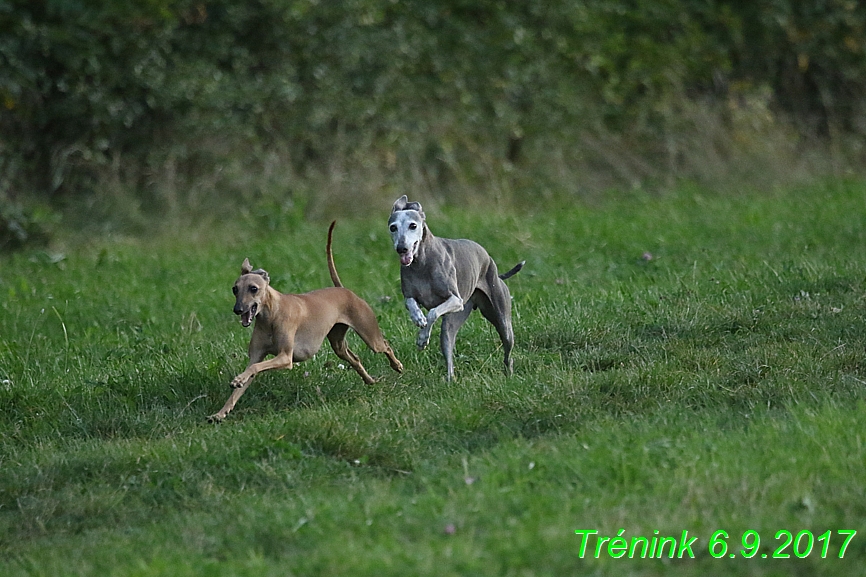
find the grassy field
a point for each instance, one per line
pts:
(686, 363)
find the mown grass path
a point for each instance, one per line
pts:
(694, 362)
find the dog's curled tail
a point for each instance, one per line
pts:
(514, 271)
(335, 278)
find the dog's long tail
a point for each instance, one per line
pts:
(513, 271)
(335, 278)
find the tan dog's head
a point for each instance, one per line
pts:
(249, 290)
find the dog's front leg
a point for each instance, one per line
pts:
(415, 313)
(242, 381)
(452, 305)
(281, 361)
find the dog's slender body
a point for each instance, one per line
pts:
(292, 327)
(449, 278)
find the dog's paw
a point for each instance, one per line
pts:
(419, 319)
(216, 418)
(238, 382)
(423, 338)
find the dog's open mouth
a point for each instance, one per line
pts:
(407, 257)
(248, 315)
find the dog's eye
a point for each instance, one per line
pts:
(235, 290)
(254, 289)
(413, 226)
(393, 228)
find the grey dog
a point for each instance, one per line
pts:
(449, 278)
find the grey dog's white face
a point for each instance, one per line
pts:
(407, 229)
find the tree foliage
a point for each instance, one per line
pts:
(84, 84)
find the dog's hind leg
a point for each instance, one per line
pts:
(364, 323)
(337, 338)
(451, 323)
(392, 358)
(497, 310)
(385, 347)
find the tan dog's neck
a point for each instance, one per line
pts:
(270, 304)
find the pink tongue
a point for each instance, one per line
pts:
(406, 258)
(246, 318)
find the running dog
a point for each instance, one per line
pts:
(292, 327)
(449, 278)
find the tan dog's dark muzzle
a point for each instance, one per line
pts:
(248, 315)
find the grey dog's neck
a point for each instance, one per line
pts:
(427, 241)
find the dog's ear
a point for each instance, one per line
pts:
(264, 273)
(246, 267)
(400, 204)
(403, 203)
(416, 206)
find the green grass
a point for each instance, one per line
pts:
(720, 384)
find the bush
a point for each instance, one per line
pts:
(20, 226)
(158, 97)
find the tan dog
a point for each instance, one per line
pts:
(292, 327)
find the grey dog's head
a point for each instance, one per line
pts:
(249, 290)
(406, 225)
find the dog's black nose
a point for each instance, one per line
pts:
(237, 310)
(402, 249)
